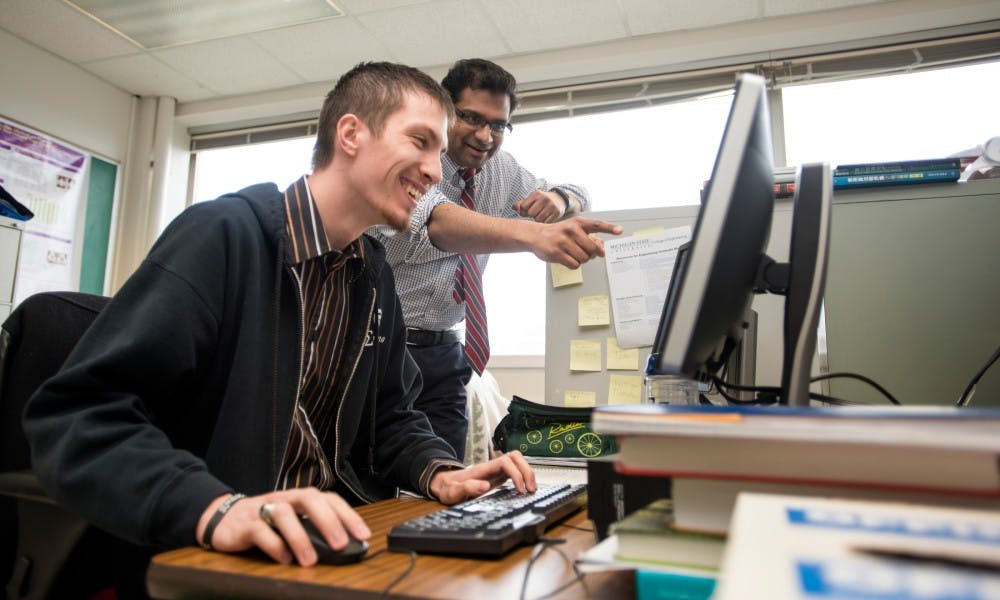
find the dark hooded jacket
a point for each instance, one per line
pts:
(183, 388)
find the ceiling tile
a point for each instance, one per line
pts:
(143, 75)
(774, 8)
(357, 7)
(232, 66)
(322, 51)
(159, 23)
(532, 25)
(435, 33)
(62, 30)
(652, 16)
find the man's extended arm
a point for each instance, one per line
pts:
(570, 243)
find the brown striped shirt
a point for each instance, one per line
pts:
(324, 274)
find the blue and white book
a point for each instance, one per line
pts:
(902, 178)
(792, 548)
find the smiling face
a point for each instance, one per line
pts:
(470, 146)
(396, 168)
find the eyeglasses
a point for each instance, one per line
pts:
(477, 121)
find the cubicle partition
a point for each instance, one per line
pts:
(911, 299)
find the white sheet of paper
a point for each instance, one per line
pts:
(639, 271)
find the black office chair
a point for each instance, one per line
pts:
(46, 551)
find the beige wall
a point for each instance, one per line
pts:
(50, 95)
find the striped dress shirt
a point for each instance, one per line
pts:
(324, 274)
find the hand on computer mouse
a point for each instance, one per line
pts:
(353, 552)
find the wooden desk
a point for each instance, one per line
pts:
(193, 572)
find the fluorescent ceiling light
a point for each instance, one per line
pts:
(159, 23)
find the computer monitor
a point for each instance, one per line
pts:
(717, 274)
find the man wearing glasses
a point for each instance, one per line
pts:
(486, 202)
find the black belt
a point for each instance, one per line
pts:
(426, 337)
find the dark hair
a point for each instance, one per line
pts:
(372, 91)
(480, 74)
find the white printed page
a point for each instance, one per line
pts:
(639, 271)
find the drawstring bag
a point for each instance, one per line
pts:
(550, 431)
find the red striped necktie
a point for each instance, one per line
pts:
(469, 290)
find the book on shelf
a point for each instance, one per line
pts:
(784, 182)
(791, 547)
(706, 505)
(784, 189)
(876, 179)
(648, 536)
(905, 166)
(897, 173)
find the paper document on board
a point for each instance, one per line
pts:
(639, 271)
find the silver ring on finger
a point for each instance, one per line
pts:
(265, 513)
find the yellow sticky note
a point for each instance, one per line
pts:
(625, 389)
(648, 232)
(563, 276)
(585, 355)
(622, 359)
(580, 399)
(593, 310)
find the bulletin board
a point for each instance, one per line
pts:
(71, 193)
(565, 386)
(563, 331)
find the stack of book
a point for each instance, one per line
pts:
(930, 455)
(790, 547)
(897, 173)
(648, 536)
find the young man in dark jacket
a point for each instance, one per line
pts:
(260, 350)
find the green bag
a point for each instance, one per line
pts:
(551, 431)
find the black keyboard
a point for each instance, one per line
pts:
(490, 525)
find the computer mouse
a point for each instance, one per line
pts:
(353, 552)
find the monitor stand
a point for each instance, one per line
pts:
(802, 279)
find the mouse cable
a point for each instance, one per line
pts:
(394, 582)
(970, 390)
(541, 546)
(578, 578)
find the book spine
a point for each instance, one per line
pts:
(629, 468)
(660, 585)
(898, 167)
(874, 179)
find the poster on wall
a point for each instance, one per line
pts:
(49, 177)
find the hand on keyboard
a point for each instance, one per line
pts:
(490, 525)
(458, 485)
